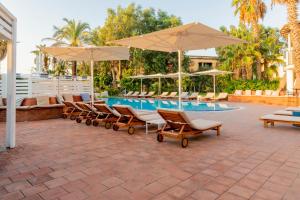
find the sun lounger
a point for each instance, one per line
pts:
(71, 111)
(162, 95)
(129, 118)
(271, 119)
(135, 94)
(128, 94)
(150, 94)
(193, 96)
(288, 111)
(171, 95)
(208, 96)
(88, 113)
(221, 96)
(184, 95)
(179, 125)
(238, 93)
(109, 116)
(142, 95)
(248, 93)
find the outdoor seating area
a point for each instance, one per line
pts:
(137, 104)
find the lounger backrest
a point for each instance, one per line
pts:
(143, 93)
(136, 93)
(164, 94)
(184, 94)
(175, 117)
(248, 92)
(210, 95)
(173, 94)
(151, 93)
(194, 94)
(268, 92)
(238, 93)
(130, 93)
(82, 106)
(69, 104)
(258, 92)
(223, 95)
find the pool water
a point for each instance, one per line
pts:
(153, 104)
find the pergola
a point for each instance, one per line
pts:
(8, 32)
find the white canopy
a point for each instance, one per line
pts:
(213, 73)
(103, 53)
(90, 53)
(182, 38)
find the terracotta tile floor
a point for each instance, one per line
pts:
(60, 160)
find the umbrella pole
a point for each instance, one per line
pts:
(179, 77)
(141, 85)
(214, 77)
(92, 81)
(159, 86)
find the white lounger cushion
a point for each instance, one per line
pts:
(283, 112)
(142, 117)
(200, 124)
(281, 118)
(297, 109)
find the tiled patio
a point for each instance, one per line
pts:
(59, 159)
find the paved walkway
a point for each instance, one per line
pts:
(60, 160)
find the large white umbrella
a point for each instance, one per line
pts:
(89, 54)
(213, 73)
(182, 38)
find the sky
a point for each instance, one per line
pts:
(37, 17)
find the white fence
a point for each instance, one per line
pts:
(28, 86)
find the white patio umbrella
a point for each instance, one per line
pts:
(89, 54)
(182, 38)
(213, 73)
(139, 77)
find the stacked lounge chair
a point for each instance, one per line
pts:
(179, 125)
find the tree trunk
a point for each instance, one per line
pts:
(295, 33)
(255, 27)
(74, 68)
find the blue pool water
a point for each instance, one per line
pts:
(153, 104)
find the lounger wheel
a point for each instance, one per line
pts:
(131, 130)
(115, 127)
(78, 120)
(107, 125)
(64, 116)
(184, 142)
(160, 137)
(88, 122)
(72, 117)
(95, 123)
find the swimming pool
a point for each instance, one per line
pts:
(153, 104)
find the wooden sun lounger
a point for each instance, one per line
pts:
(150, 94)
(193, 96)
(109, 116)
(221, 96)
(128, 94)
(179, 126)
(272, 119)
(88, 113)
(143, 94)
(135, 94)
(129, 118)
(208, 96)
(71, 111)
(162, 95)
(171, 95)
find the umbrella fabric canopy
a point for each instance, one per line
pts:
(91, 53)
(213, 73)
(182, 38)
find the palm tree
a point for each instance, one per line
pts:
(292, 12)
(250, 12)
(73, 33)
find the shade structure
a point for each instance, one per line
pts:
(182, 38)
(139, 77)
(213, 73)
(89, 54)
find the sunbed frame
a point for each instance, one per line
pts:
(71, 111)
(177, 127)
(271, 122)
(127, 119)
(108, 117)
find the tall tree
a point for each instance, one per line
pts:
(250, 12)
(292, 12)
(73, 33)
